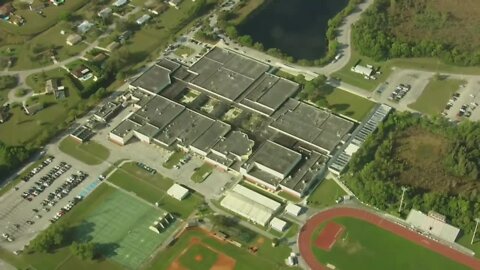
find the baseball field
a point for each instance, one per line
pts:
(200, 250)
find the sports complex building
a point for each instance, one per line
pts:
(235, 114)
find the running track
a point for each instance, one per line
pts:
(306, 236)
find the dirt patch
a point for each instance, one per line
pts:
(260, 241)
(175, 265)
(198, 258)
(328, 236)
(423, 154)
(224, 262)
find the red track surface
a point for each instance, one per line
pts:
(327, 237)
(306, 235)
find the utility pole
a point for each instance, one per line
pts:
(477, 220)
(401, 200)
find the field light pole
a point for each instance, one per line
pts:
(401, 200)
(477, 220)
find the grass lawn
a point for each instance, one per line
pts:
(325, 194)
(365, 246)
(22, 129)
(174, 159)
(162, 28)
(436, 95)
(201, 173)
(292, 231)
(199, 257)
(35, 23)
(184, 51)
(90, 153)
(267, 257)
(465, 240)
(348, 104)
(428, 64)
(153, 188)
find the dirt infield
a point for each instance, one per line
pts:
(223, 262)
(308, 230)
(327, 237)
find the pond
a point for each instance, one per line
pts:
(296, 27)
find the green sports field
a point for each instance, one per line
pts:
(365, 246)
(120, 225)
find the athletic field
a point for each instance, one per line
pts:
(199, 250)
(120, 225)
(349, 238)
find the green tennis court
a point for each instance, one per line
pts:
(120, 226)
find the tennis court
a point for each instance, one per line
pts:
(120, 226)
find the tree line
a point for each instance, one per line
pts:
(373, 38)
(374, 169)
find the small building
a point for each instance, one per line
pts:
(57, 2)
(73, 39)
(84, 27)
(107, 111)
(120, 3)
(105, 13)
(433, 224)
(174, 3)
(142, 20)
(82, 134)
(82, 73)
(293, 209)
(363, 70)
(178, 192)
(278, 224)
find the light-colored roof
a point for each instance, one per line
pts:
(143, 19)
(363, 70)
(278, 224)
(247, 208)
(433, 226)
(177, 191)
(257, 197)
(293, 209)
(119, 3)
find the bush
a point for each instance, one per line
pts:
(8, 82)
(86, 251)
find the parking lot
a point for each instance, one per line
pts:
(468, 97)
(416, 82)
(34, 204)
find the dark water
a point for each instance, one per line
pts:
(297, 27)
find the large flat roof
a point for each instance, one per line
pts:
(236, 142)
(154, 80)
(210, 137)
(225, 73)
(305, 173)
(275, 157)
(185, 128)
(312, 125)
(268, 93)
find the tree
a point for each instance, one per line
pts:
(245, 40)
(86, 251)
(65, 16)
(8, 82)
(231, 31)
(51, 238)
